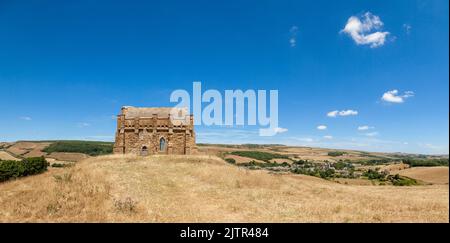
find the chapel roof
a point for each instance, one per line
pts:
(131, 112)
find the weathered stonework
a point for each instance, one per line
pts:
(146, 131)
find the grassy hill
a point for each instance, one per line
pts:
(206, 189)
(79, 150)
(61, 150)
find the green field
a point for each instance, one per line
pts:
(263, 156)
(86, 147)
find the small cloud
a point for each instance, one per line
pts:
(281, 130)
(332, 113)
(322, 127)
(342, 113)
(408, 94)
(365, 128)
(328, 137)
(308, 140)
(371, 134)
(364, 30)
(293, 42)
(393, 96)
(83, 124)
(25, 118)
(348, 113)
(293, 38)
(407, 28)
(433, 148)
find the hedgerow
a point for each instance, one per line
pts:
(10, 169)
(85, 147)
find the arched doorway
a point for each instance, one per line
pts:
(144, 151)
(162, 145)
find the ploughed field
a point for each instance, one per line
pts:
(54, 151)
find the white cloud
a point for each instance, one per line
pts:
(332, 113)
(372, 134)
(308, 140)
(348, 113)
(364, 30)
(342, 113)
(322, 127)
(328, 137)
(431, 146)
(293, 42)
(434, 148)
(365, 128)
(281, 130)
(293, 38)
(408, 94)
(83, 124)
(393, 96)
(25, 118)
(407, 28)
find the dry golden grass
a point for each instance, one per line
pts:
(280, 161)
(355, 182)
(74, 157)
(395, 168)
(206, 189)
(28, 149)
(6, 156)
(304, 153)
(435, 175)
(241, 159)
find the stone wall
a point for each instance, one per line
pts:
(142, 136)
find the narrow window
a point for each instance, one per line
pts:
(162, 144)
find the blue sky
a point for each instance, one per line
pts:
(67, 67)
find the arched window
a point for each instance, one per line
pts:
(144, 151)
(162, 144)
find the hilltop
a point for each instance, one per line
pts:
(206, 189)
(342, 166)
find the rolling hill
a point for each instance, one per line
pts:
(204, 188)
